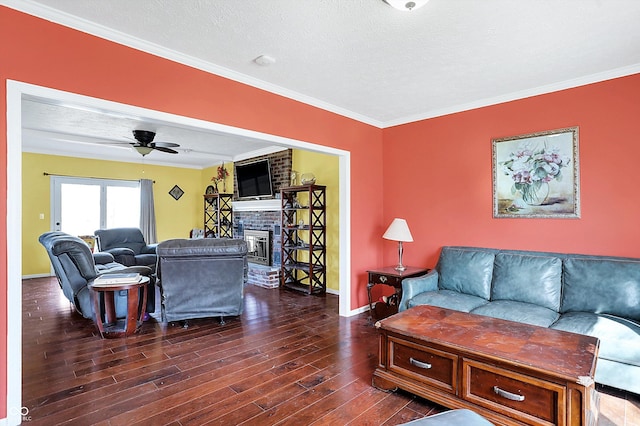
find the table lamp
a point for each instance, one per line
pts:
(398, 231)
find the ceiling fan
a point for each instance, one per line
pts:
(144, 143)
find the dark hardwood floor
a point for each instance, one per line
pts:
(288, 360)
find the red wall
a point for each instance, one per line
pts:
(438, 172)
(50, 55)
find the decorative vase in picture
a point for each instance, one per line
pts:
(531, 169)
(535, 194)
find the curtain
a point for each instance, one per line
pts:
(147, 211)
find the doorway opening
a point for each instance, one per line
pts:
(19, 91)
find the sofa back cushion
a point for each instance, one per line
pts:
(602, 286)
(466, 270)
(535, 279)
(112, 238)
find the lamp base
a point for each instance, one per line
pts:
(400, 266)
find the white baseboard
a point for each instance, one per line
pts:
(360, 310)
(28, 277)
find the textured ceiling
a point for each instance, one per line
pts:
(368, 61)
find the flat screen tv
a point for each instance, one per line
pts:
(254, 179)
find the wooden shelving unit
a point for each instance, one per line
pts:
(218, 216)
(303, 228)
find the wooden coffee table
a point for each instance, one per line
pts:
(509, 372)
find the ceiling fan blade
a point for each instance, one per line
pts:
(167, 150)
(165, 144)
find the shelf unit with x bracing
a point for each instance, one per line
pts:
(218, 216)
(304, 238)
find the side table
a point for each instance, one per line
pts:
(111, 326)
(390, 276)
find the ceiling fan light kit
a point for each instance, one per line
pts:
(142, 150)
(145, 144)
(406, 6)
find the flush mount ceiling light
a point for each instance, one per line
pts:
(406, 6)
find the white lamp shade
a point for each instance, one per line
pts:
(398, 231)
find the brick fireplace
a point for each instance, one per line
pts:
(266, 225)
(264, 215)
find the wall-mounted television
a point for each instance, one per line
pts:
(254, 179)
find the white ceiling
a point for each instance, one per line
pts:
(359, 58)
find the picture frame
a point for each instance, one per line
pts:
(537, 175)
(176, 192)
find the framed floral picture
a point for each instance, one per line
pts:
(537, 175)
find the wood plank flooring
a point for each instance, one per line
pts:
(288, 360)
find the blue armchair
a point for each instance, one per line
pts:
(128, 247)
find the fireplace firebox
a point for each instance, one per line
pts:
(258, 246)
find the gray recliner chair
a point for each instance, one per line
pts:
(75, 267)
(202, 278)
(128, 247)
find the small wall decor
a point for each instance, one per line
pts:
(176, 192)
(537, 175)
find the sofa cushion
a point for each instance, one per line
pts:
(603, 286)
(518, 311)
(528, 278)
(618, 375)
(448, 299)
(466, 270)
(619, 337)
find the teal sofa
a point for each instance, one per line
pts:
(593, 295)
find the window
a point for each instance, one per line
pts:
(82, 205)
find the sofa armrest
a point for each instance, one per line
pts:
(149, 249)
(102, 258)
(414, 286)
(120, 251)
(123, 255)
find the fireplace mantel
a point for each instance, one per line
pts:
(256, 205)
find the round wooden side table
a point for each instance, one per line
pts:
(111, 326)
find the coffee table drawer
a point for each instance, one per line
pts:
(534, 401)
(429, 365)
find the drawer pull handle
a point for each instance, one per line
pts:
(508, 395)
(419, 364)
